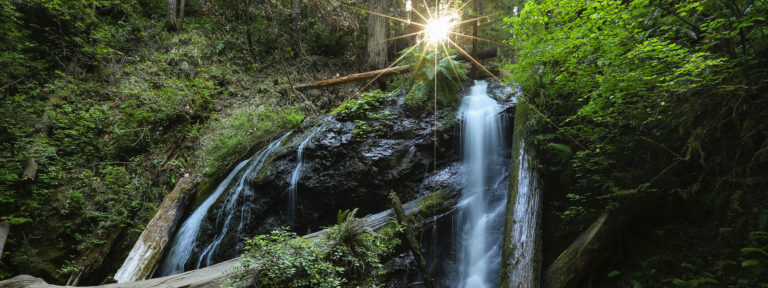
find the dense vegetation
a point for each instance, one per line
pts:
(656, 106)
(661, 106)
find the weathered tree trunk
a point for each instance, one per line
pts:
(181, 13)
(378, 32)
(171, 23)
(411, 239)
(5, 228)
(148, 249)
(581, 256)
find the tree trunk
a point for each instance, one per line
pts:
(5, 228)
(295, 17)
(170, 19)
(475, 71)
(181, 13)
(248, 33)
(581, 256)
(147, 251)
(411, 239)
(378, 32)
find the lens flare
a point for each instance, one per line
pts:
(438, 29)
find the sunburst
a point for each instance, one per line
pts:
(438, 26)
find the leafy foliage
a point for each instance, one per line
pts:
(442, 76)
(653, 97)
(348, 254)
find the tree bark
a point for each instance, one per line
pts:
(170, 18)
(149, 248)
(475, 71)
(295, 17)
(411, 239)
(581, 256)
(378, 32)
(248, 33)
(181, 13)
(5, 228)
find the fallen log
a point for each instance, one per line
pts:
(486, 53)
(354, 78)
(150, 246)
(217, 275)
(581, 256)
(482, 54)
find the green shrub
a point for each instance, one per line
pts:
(349, 253)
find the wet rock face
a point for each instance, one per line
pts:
(354, 163)
(348, 163)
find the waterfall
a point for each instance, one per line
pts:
(292, 190)
(186, 238)
(481, 214)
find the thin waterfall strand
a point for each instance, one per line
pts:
(186, 238)
(292, 189)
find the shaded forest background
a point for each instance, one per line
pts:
(655, 108)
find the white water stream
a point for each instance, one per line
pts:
(292, 189)
(481, 214)
(186, 238)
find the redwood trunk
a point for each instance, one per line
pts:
(378, 32)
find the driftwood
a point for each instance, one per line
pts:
(411, 239)
(482, 54)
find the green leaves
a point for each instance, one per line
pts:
(442, 76)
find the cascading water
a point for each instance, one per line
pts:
(481, 214)
(186, 238)
(292, 189)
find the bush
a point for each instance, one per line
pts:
(349, 253)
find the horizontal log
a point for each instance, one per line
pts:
(482, 54)
(354, 78)
(486, 53)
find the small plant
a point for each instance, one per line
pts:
(361, 108)
(442, 76)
